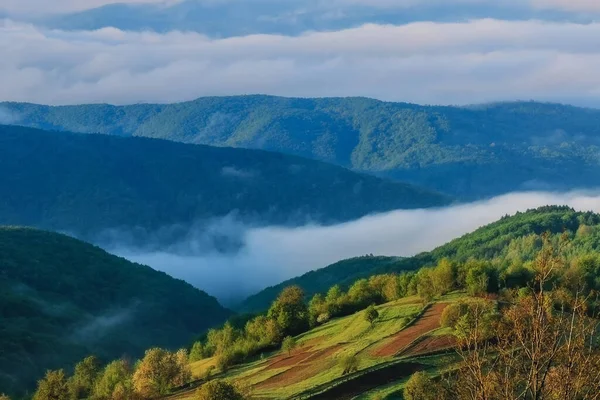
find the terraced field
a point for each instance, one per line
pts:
(388, 351)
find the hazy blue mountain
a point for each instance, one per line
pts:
(85, 184)
(469, 152)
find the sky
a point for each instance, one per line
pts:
(259, 263)
(426, 51)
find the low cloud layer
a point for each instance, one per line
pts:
(431, 63)
(269, 255)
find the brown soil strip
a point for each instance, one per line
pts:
(285, 360)
(431, 344)
(428, 322)
(309, 367)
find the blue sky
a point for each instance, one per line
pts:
(427, 51)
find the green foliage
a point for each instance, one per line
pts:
(219, 390)
(468, 151)
(160, 371)
(91, 183)
(349, 363)
(290, 311)
(81, 384)
(371, 314)
(288, 344)
(116, 377)
(53, 386)
(57, 294)
(498, 254)
(420, 387)
(197, 352)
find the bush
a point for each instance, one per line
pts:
(349, 364)
(371, 314)
(420, 387)
(452, 314)
(288, 344)
(322, 318)
(219, 390)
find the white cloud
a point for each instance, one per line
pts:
(272, 254)
(476, 61)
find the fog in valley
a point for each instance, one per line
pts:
(231, 260)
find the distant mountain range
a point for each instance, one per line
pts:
(86, 184)
(62, 299)
(467, 152)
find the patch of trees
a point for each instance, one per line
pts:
(155, 375)
(541, 343)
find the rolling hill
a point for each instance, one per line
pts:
(469, 152)
(85, 184)
(62, 299)
(498, 241)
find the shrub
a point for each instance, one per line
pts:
(323, 318)
(349, 364)
(419, 387)
(288, 344)
(371, 314)
(219, 390)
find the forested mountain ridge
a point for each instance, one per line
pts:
(62, 299)
(471, 152)
(509, 243)
(88, 183)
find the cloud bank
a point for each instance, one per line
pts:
(270, 255)
(431, 63)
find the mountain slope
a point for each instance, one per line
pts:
(87, 183)
(62, 299)
(466, 151)
(497, 241)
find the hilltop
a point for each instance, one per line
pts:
(500, 242)
(62, 299)
(85, 184)
(469, 152)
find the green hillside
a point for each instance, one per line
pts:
(62, 299)
(508, 241)
(88, 183)
(465, 151)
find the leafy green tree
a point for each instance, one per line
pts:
(425, 286)
(361, 294)
(443, 277)
(288, 344)
(371, 314)
(160, 371)
(115, 374)
(54, 386)
(197, 352)
(219, 390)
(81, 384)
(290, 311)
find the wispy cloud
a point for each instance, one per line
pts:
(269, 255)
(475, 61)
